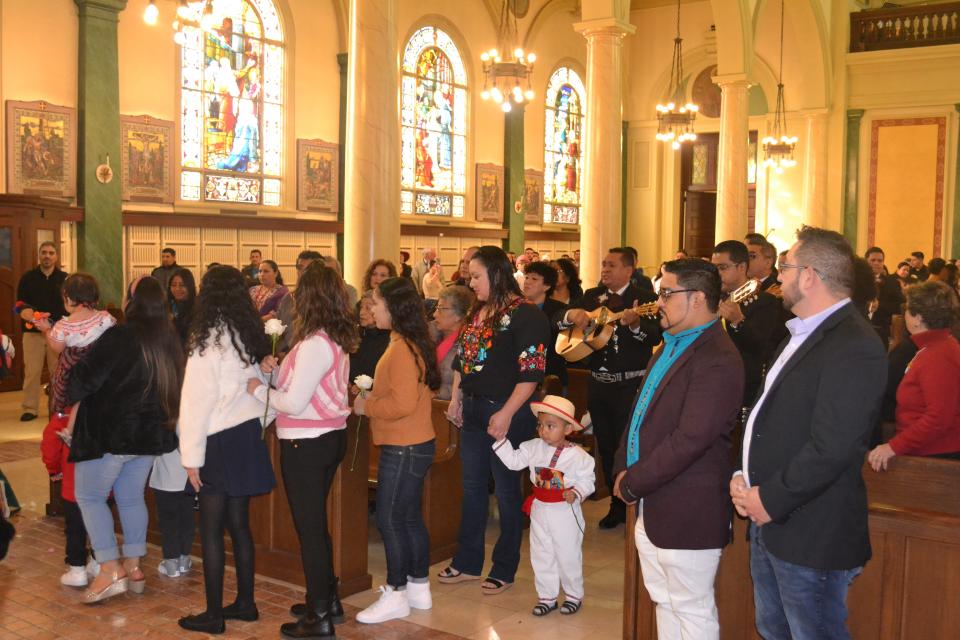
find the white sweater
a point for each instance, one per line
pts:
(214, 397)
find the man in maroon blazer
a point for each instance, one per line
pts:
(674, 458)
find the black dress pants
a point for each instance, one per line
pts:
(76, 535)
(176, 520)
(609, 405)
(309, 466)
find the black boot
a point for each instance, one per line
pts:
(203, 622)
(336, 608)
(616, 516)
(316, 623)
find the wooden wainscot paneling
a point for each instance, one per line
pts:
(220, 221)
(908, 590)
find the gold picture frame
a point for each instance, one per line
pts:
(41, 149)
(146, 159)
(318, 173)
(490, 193)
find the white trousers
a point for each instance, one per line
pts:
(680, 583)
(556, 549)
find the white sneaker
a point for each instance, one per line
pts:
(185, 563)
(93, 569)
(418, 595)
(169, 568)
(75, 577)
(392, 604)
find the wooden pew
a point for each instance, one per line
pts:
(907, 590)
(274, 535)
(442, 490)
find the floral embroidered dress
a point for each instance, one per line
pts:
(267, 300)
(505, 349)
(78, 338)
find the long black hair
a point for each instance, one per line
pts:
(148, 315)
(574, 285)
(224, 305)
(191, 285)
(409, 320)
(503, 286)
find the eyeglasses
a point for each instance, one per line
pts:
(800, 267)
(666, 293)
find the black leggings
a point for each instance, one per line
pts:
(217, 512)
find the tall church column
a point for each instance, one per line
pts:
(372, 166)
(732, 166)
(815, 169)
(955, 240)
(514, 185)
(100, 236)
(600, 215)
(851, 177)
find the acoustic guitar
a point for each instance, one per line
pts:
(575, 344)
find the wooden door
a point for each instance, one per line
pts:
(10, 256)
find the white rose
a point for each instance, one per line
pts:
(274, 327)
(365, 383)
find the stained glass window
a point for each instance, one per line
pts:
(433, 125)
(562, 166)
(231, 103)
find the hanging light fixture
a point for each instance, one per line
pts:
(778, 148)
(151, 13)
(675, 117)
(507, 69)
(196, 13)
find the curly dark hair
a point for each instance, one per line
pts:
(933, 301)
(224, 305)
(322, 303)
(148, 315)
(409, 320)
(380, 262)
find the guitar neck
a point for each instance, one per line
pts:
(648, 309)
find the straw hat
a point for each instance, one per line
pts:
(557, 406)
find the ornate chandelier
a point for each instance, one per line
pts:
(507, 69)
(778, 148)
(193, 12)
(675, 117)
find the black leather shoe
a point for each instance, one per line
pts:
(336, 608)
(612, 520)
(204, 623)
(237, 611)
(27, 416)
(310, 626)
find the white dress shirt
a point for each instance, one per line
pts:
(800, 329)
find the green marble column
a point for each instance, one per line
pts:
(955, 242)
(342, 130)
(100, 236)
(851, 176)
(513, 179)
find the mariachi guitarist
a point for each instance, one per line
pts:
(753, 323)
(617, 369)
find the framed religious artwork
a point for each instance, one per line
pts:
(317, 175)
(146, 159)
(489, 193)
(41, 149)
(533, 196)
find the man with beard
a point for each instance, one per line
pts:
(617, 369)
(676, 450)
(803, 448)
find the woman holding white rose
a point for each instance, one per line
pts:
(399, 407)
(220, 437)
(312, 404)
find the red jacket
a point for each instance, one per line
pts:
(928, 398)
(55, 451)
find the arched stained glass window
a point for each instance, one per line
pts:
(231, 103)
(562, 170)
(433, 123)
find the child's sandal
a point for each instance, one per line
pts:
(543, 608)
(570, 607)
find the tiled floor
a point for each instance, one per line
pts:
(34, 605)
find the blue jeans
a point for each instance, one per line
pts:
(406, 541)
(795, 602)
(126, 476)
(479, 462)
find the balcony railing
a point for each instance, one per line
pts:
(917, 26)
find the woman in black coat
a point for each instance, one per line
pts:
(128, 387)
(181, 295)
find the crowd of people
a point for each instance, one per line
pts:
(724, 386)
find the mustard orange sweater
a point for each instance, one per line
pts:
(400, 403)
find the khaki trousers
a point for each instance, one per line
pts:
(35, 352)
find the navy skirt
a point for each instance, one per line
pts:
(237, 463)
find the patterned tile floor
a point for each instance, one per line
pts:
(33, 604)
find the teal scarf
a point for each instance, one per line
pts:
(673, 348)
